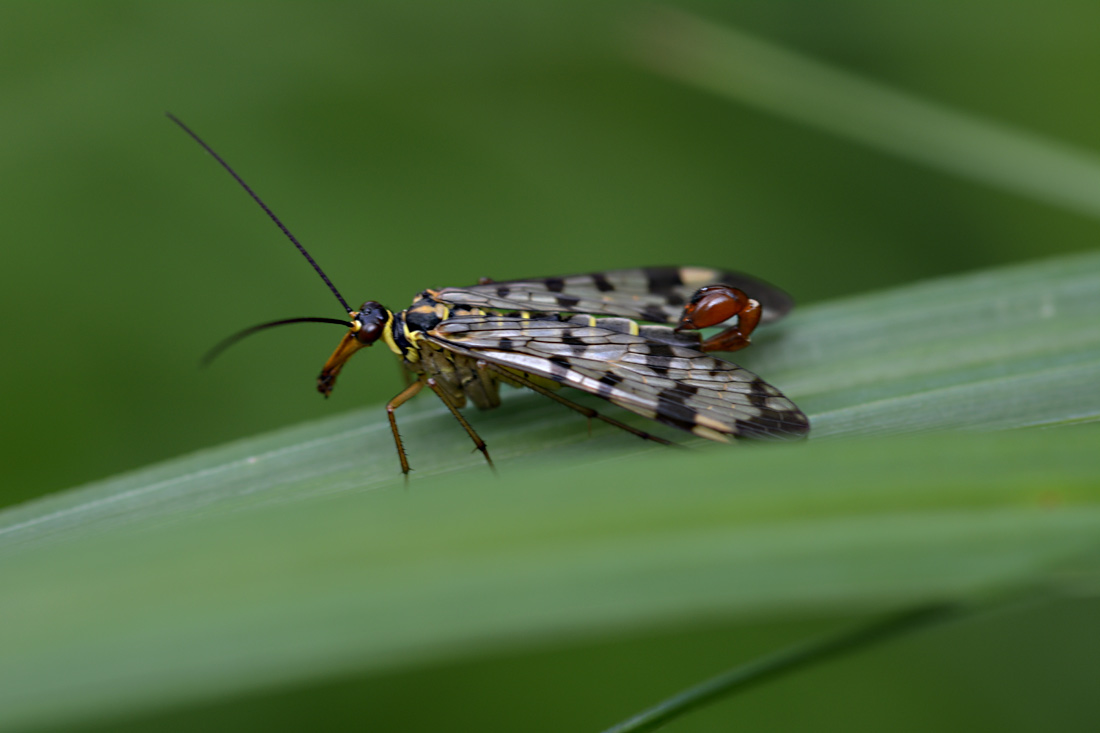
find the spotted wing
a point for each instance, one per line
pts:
(655, 377)
(655, 294)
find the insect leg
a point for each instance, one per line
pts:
(586, 411)
(442, 394)
(402, 397)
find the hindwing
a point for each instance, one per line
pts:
(659, 378)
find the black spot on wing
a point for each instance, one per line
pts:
(658, 357)
(796, 423)
(559, 368)
(577, 345)
(662, 280)
(554, 284)
(606, 383)
(601, 283)
(785, 424)
(654, 348)
(672, 409)
(759, 395)
(654, 313)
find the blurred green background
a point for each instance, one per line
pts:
(412, 145)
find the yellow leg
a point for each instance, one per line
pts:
(462, 421)
(402, 397)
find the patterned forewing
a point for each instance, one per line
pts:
(655, 294)
(661, 380)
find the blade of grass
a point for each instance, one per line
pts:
(220, 604)
(1012, 347)
(276, 560)
(782, 662)
(962, 352)
(738, 66)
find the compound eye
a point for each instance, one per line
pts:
(372, 323)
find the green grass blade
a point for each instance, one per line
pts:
(280, 559)
(1012, 347)
(783, 662)
(741, 67)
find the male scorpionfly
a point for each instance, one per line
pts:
(580, 331)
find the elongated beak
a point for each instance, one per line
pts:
(348, 346)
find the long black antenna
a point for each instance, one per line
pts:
(230, 340)
(263, 206)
